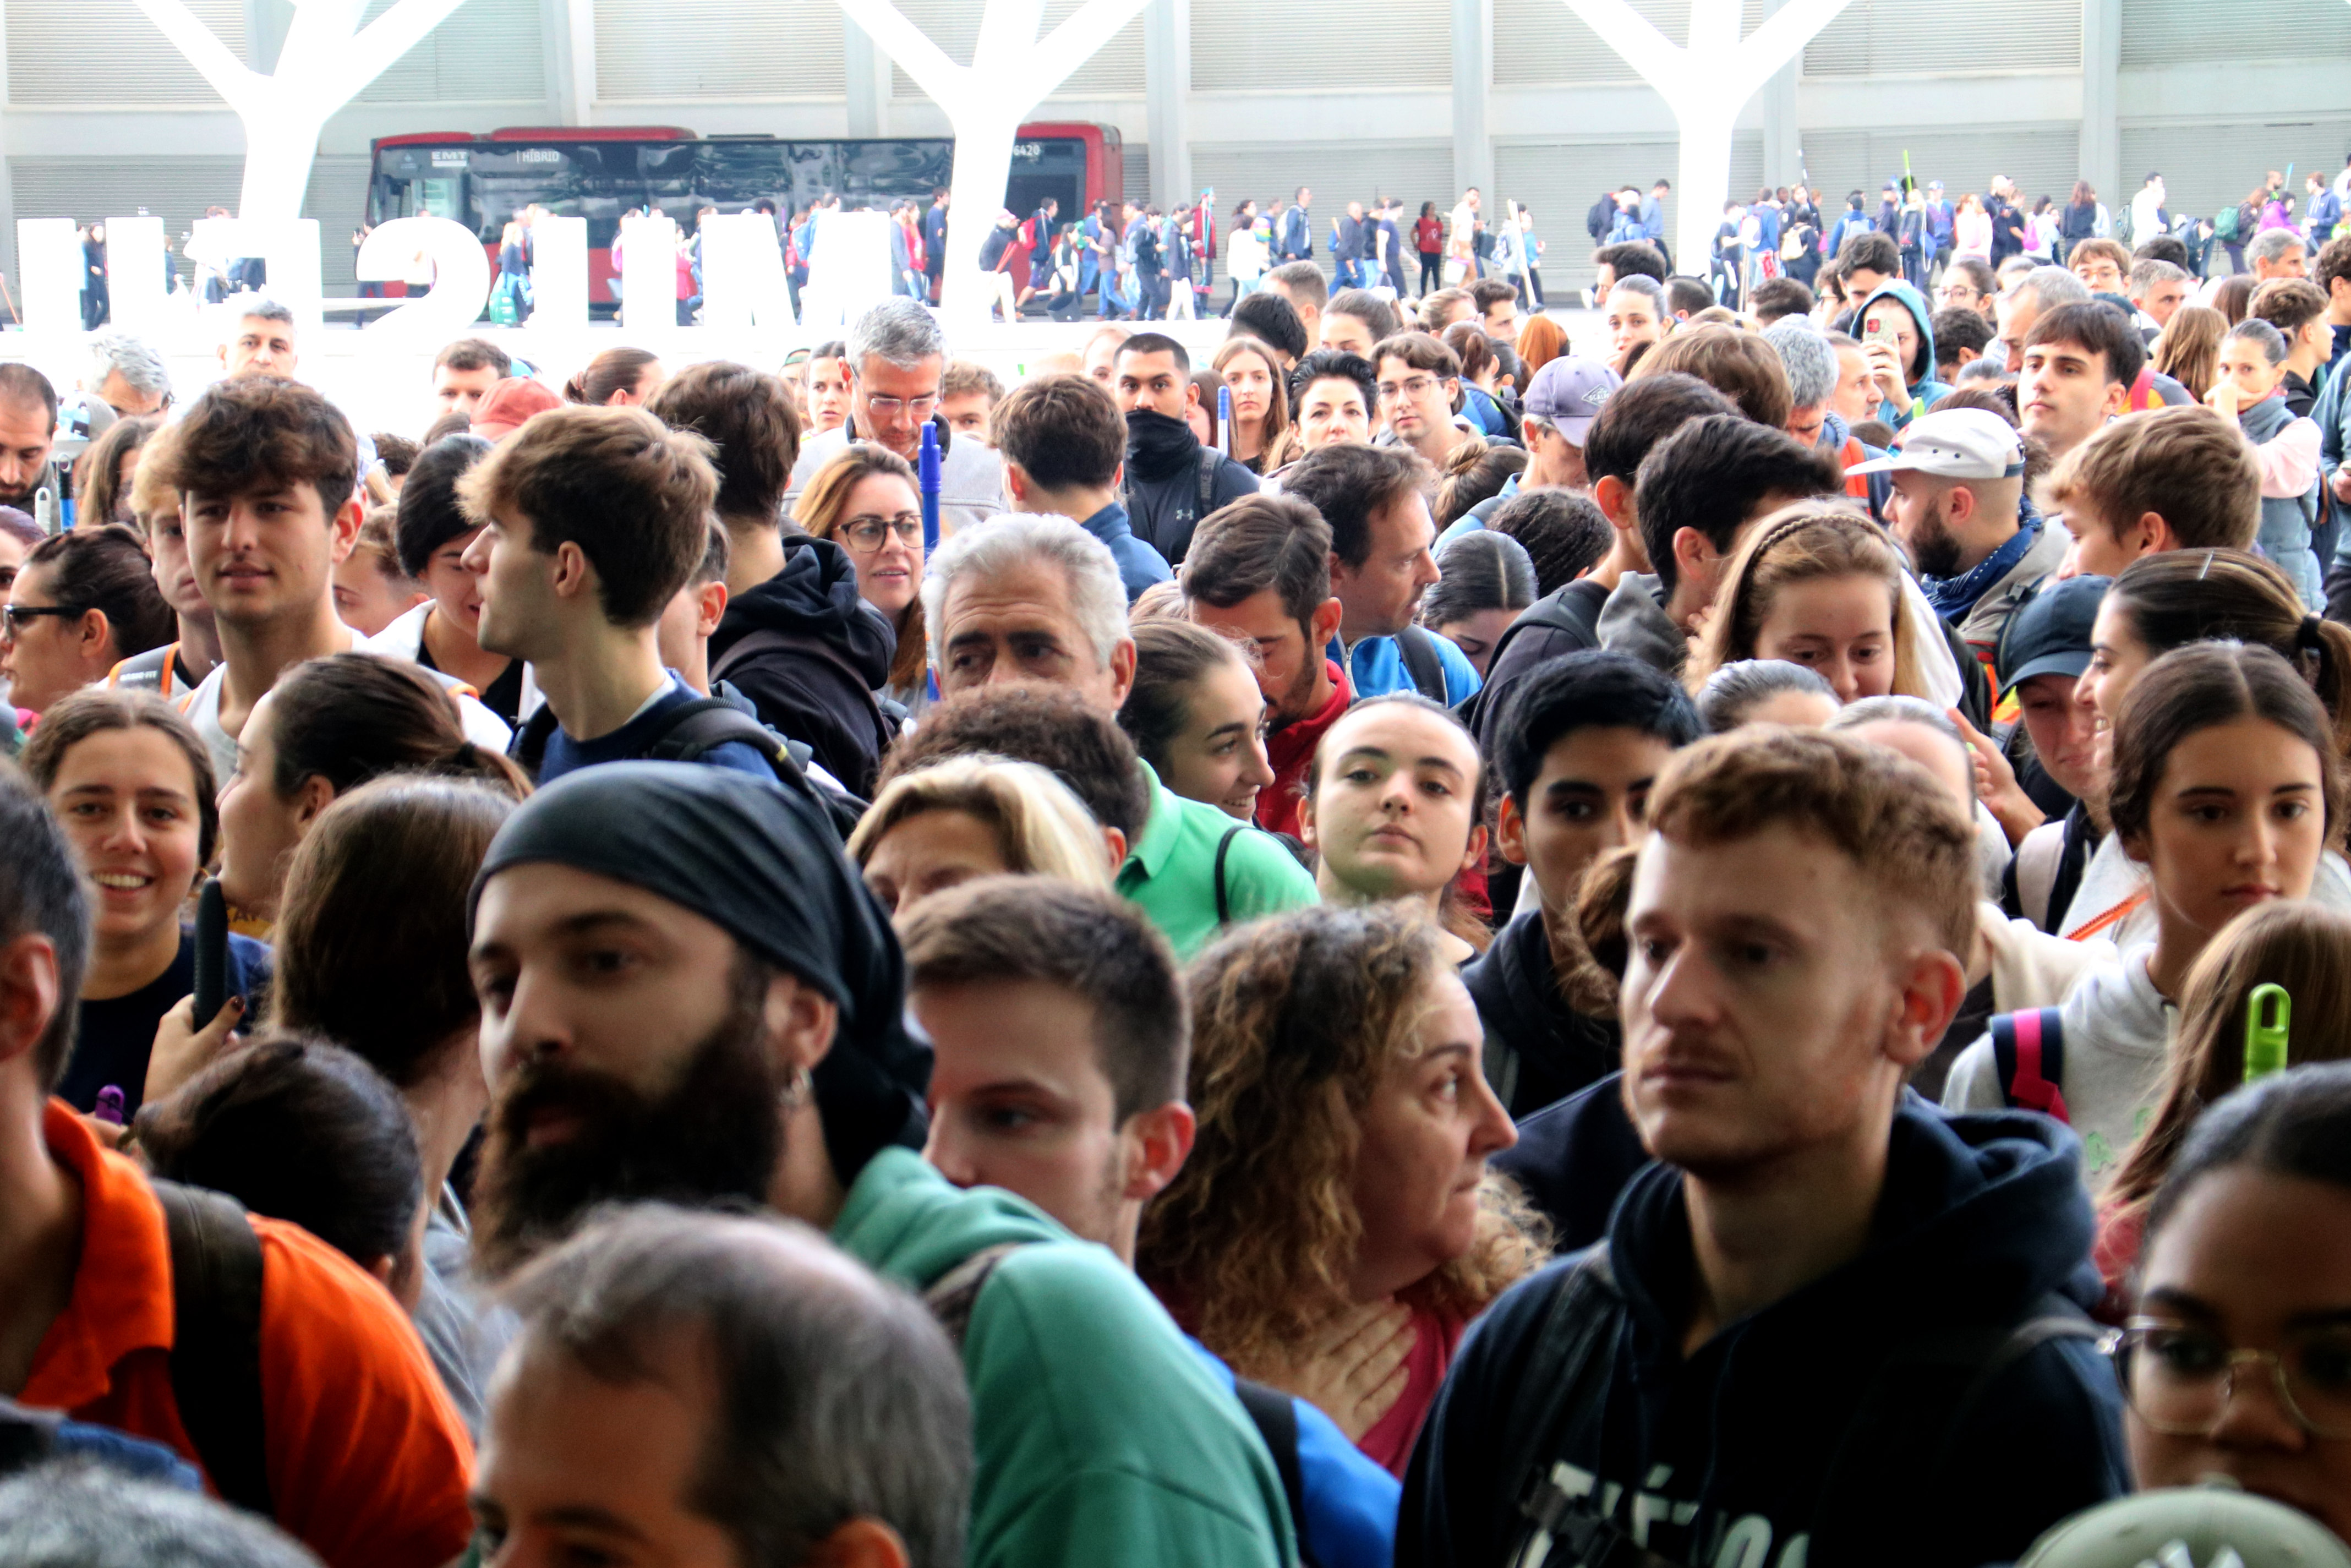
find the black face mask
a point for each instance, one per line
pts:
(1156, 445)
(715, 1138)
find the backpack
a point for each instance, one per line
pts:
(2029, 1051)
(1417, 646)
(1573, 1361)
(1147, 248)
(2224, 225)
(216, 1358)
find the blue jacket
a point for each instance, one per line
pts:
(1653, 218)
(1349, 1517)
(1139, 566)
(1297, 239)
(1926, 389)
(1376, 667)
(1822, 1418)
(1939, 220)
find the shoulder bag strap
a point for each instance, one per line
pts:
(1224, 846)
(215, 1359)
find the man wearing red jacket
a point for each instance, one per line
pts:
(1260, 571)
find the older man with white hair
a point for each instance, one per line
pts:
(1034, 599)
(897, 361)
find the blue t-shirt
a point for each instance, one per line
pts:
(639, 736)
(1377, 667)
(114, 1038)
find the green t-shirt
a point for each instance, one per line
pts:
(1171, 872)
(1101, 1437)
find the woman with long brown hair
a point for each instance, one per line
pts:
(104, 474)
(1817, 585)
(1260, 407)
(865, 501)
(2189, 349)
(1335, 1230)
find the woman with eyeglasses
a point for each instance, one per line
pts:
(2237, 1358)
(866, 502)
(82, 602)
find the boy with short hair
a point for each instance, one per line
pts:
(2171, 478)
(593, 519)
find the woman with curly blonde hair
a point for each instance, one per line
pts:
(1816, 585)
(1335, 1228)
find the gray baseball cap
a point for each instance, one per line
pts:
(1567, 394)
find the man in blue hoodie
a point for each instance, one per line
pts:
(1828, 1324)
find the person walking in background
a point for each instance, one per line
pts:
(1429, 244)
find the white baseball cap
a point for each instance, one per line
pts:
(1956, 444)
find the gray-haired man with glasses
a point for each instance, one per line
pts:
(897, 359)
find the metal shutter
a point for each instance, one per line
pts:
(1961, 37)
(176, 189)
(487, 52)
(2208, 167)
(1337, 172)
(2181, 32)
(1307, 46)
(1541, 43)
(337, 199)
(2042, 159)
(1558, 182)
(953, 26)
(1135, 162)
(674, 50)
(104, 52)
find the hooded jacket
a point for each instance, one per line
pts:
(1099, 1436)
(1164, 469)
(1539, 1049)
(819, 690)
(1825, 1418)
(1926, 389)
(1635, 622)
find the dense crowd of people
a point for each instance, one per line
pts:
(1726, 953)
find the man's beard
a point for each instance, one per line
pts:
(22, 502)
(715, 1138)
(1296, 702)
(1933, 547)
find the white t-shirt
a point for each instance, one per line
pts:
(201, 707)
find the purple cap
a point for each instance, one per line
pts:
(1568, 391)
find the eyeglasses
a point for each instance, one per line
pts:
(14, 616)
(867, 534)
(1416, 387)
(891, 407)
(2179, 1379)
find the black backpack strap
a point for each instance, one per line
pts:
(1224, 904)
(954, 1295)
(1276, 1419)
(216, 1358)
(700, 726)
(1568, 1370)
(528, 748)
(1417, 644)
(1572, 608)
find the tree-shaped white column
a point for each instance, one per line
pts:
(1706, 85)
(1012, 70)
(326, 61)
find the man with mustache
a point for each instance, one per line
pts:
(1827, 1324)
(29, 431)
(688, 995)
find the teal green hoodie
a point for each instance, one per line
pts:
(1926, 389)
(1101, 1436)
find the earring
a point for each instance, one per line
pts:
(796, 1092)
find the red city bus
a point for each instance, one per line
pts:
(601, 171)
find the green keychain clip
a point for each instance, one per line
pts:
(2268, 1012)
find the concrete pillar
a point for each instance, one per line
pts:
(1782, 142)
(2101, 136)
(8, 174)
(1167, 100)
(568, 30)
(868, 85)
(1473, 82)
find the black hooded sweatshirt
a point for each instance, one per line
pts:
(1165, 464)
(1826, 1418)
(818, 686)
(1538, 1050)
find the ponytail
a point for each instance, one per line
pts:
(493, 769)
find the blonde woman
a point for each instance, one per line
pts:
(974, 816)
(2189, 352)
(865, 501)
(1817, 585)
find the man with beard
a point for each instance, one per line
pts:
(29, 431)
(1172, 481)
(1260, 572)
(687, 995)
(1958, 506)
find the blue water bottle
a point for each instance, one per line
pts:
(1224, 421)
(927, 467)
